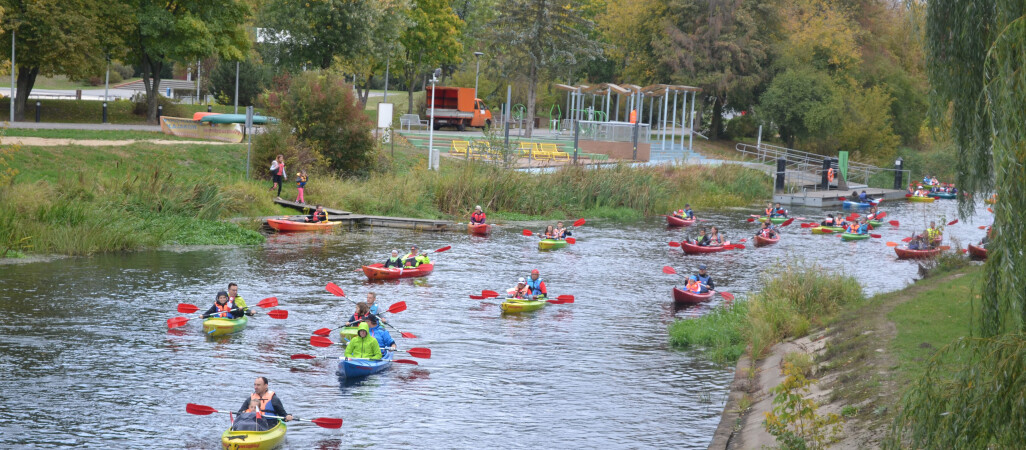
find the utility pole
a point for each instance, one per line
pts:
(236, 87)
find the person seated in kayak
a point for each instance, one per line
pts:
(679, 214)
(537, 285)
(933, 234)
(561, 231)
(363, 345)
(380, 333)
(926, 179)
(704, 279)
(769, 209)
(703, 239)
(262, 402)
(920, 192)
(693, 285)
(872, 213)
(236, 299)
(933, 181)
(414, 259)
(688, 213)
(223, 307)
(767, 231)
(986, 238)
(863, 197)
(394, 260)
(521, 291)
(778, 211)
(550, 232)
(318, 215)
(478, 216)
(714, 237)
(916, 243)
(362, 311)
(829, 221)
(863, 226)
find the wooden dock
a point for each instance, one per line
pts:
(352, 221)
(831, 199)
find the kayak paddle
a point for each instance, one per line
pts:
(305, 356)
(440, 250)
(953, 222)
(892, 244)
(395, 308)
(268, 302)
(674, 244)
(320, 341)
(843, 199)
(894, 223)
(750, 219)
(881, 215)
(203, 410)
(579, 222)
(571, 240)
(527, 233)
(176, 322)
(417, 352)
(787, 222)
(907, 240)
(990, 210)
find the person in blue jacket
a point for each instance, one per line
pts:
(380, 333)
(704, 278)
(863, 226)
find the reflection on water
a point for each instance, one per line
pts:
(88, 361)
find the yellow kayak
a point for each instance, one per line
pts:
(254, 440)
(219, 326)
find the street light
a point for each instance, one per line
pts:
(477, 57)
(432, 164)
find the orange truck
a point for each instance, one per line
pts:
(457, 107)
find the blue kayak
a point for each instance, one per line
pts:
(848, 204)
(356, 368)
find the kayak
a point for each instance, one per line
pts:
(875, 223)
(551, 244)
(943, 195)
(854, 236)
(682, 296)
(692, 249)
(977, 252)
(774, 220)
(292, 225)
(220, 326)
(905, 253)
(518, 306)
(678, 222)
(480, 229)
(848, 204)
(764, 241)
(824, 230)
(257, 440)
(921, 199)
(379, 272)
(237, 118)
(356, 368)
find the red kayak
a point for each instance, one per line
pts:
(977, 252)
(904, 253)
(379, 272)
(479, 229)
(682, 296)
(764, 241)
(291, 225)
(678, 222)
(692, 249)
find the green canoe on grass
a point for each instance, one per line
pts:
(237, 118)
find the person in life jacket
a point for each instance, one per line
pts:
(550, 232)
(779, 211)
(933, 235)
(872, 213)
(863, 227)
(264, 401)
(478, 216)
(521, 291)
(380, 333)
(767, 231)
(560, 231)
(318, 215)
(714, 237)
(829, 221)
(919, 192)
(223, 307)
(703, 239)
(362, 311)
(688, 213)
(236, 299)
(852, 228)
(693, 285)
(363, 345)
(536, 285)
(414, 259)
(394, 260)
(704, 279)
(863, 197)
(679, 214)
(769, 210)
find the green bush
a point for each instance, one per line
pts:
(742, 127)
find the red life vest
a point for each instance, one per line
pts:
(281, 168)
(263, 402)
(478, 217)
(694, 286)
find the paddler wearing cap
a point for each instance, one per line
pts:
(414, 259)
(478, 216)
(705, 279)
(394, 260)
(521, 291)
(536, 285)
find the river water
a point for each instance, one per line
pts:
(87, 359)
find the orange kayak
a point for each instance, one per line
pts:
(479, 229)
(379, 272)
(291, 225)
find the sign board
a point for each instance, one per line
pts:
(384, 115)
(180, 126)
(842, 163)
(249, 118)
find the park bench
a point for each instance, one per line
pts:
(411, 120)
(460, 148)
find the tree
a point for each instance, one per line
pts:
(803, 103)
(432, 40)
(629, 27)
(381, 48)
(253, 79)
(539, 35)
(54, 37)
(304, 33)
(180, 31)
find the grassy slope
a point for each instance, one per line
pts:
(94, 134)
(91, 111)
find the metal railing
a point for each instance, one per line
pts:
(612, 131)
(806, 169)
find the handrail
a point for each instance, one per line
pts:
(811, 164)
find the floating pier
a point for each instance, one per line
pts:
(352, 221)
(831, 199)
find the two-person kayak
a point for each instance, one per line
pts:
(551, 244)
(357, 368)
(675, 221)
(905, 253)
(295, 225)
(221, 326)
(687, 297)
(378, 271)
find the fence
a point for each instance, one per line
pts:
(807, 169)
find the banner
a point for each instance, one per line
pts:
(842, 163)
(224, 132)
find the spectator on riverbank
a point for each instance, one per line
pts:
(278, 173)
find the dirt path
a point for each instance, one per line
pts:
(57, 142)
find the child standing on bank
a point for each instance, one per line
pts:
(300, 184)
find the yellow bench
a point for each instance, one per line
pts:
(460, 148)
(553, 152)
(481, 149)
(528, 149)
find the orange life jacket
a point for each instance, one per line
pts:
(223, 311)
(263, 402)
(522, 293)
(694, 286)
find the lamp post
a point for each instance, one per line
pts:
(431, 123)
(13, 31)
(477, 71)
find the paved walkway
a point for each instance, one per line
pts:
(82, 126)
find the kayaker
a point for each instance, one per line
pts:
(223, 308)
(318, 215)
(561, 231)
(767, 231)
(236, 299)
(521, 291)
(863, 197)
(550, 233)
(778, 211)
(478, 216)
(394, 260)
(363, 345)
(872, 213)
(932, 234)
(933, 181)
(769, 209)
(362, 311)
(536, 285)
(714, 236)
(829, 221)
(414, 259)
(693, 285)
(863, 227)
(264, 402)
(679, 214)
(916, 243)
(380, 333)
(371, 299)
(705, 279)
(919, 192)
(688, 213)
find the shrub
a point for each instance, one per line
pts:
(125, 72)
(277, 140)
(742, 127)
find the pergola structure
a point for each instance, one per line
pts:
(662, 111)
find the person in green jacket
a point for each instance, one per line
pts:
(414, 259)
(363, 346)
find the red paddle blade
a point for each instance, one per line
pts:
(566, 298)
(750, 219)
(826, 231)
(334, 289)
(278, 314)
(674, 244)
(322, 332)
(744, 240)
(729, 246)
(982, 227)
(560, 301)
(739, 246)
(420, 352)
(578, 222)
(397, 307)
(176, 322)
(894, 223)
(269, 302)
(787, 222)
(669, 270)
(325, 422)
(990, 210)
(408, 335)
(953, 222)
(727, 295)
(571, 240)
(199, 410)
(843, 199)
(477, 297)
(881, 215)
(319, 341)
(406, 361)
(908, 195)
(963, 250)
(807, 225)
(892, 244)
(186, 308)
(489, 294)
(302, 356)
(447, 247)
(908, 239)
(527, 233)
(876, 236)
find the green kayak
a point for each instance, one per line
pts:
(518, 306)
(218, 326)
(827, 230)
(551, 244)
(348, 333)
(774, 220)
(854, 237)
(237, 118)
(875, 223)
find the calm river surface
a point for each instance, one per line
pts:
(87, 359)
